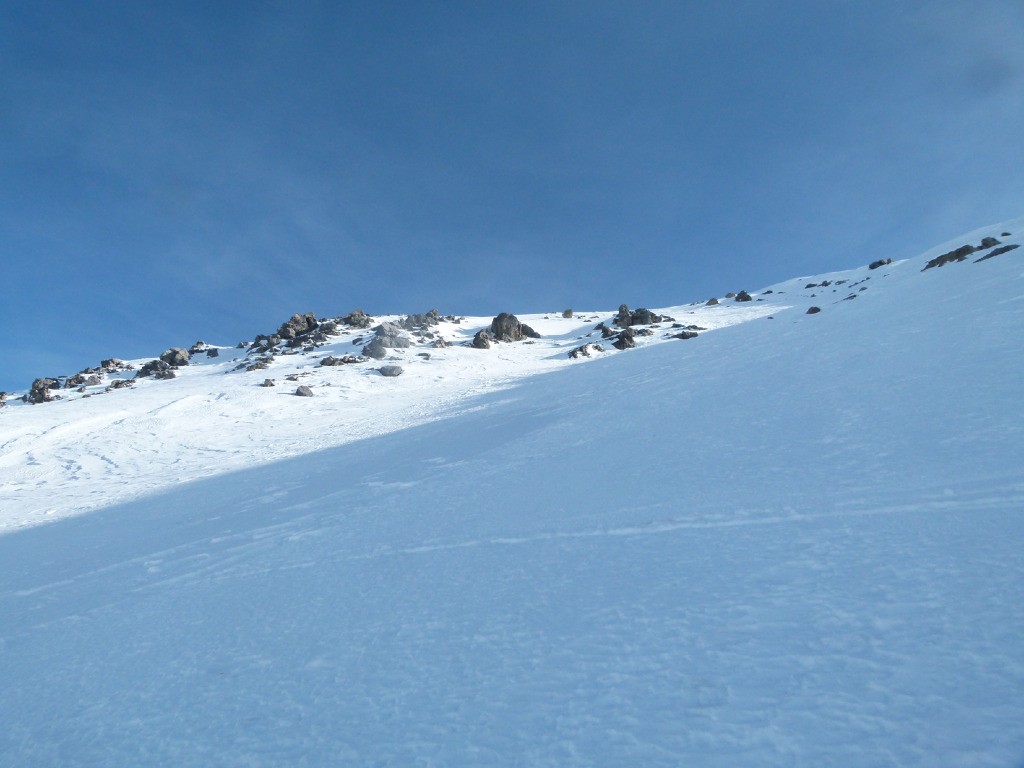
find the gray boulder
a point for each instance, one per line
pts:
(39, 392)
(390, 370)
(506, 327)
(175, 356)
(482, 339)
(357, 319)
(303, 391)
(625, 340)
(153, 367)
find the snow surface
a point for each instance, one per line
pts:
(792, 541)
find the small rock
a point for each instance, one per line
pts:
(567, 313)
(684, 335)
(879, 263)
(213, 352)
(743, 296)
(303, 391)
(587, 350)
(813, 310)
(268, 383)
(711, 302)
(390, 370)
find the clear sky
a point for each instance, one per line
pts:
(174, 171)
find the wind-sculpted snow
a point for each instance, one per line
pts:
(787, 542)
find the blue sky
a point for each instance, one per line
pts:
(177, 171)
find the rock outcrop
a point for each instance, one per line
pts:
(506, 327)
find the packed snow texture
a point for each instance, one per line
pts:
(792, 541)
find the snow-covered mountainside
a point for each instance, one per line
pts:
(763, 535)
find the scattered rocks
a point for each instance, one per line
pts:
(303, 391)
(587, 350)
(168, 374)
(506, 327)
(120, 384)
(113, 365)
(297, 326)
(743, 296)
(879, 263)
(440, 344)
(684, 335)
(175, 356)
(330, 360)
(813, 310)
(998, 252)
(390, 370)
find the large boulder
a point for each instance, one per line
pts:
(482, 339)
(627, 317)
(303, 391)
(153, 367)
(386, 336)
(390, 370)
(625, 339)
(743, 296)
(40, 391)
(175, 356)
(412, 322)
(357, 319)
(506, 327)
(297, 326)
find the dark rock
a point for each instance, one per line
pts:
(74, 381)
(113, 364)
(152, 367)
(424, 355)
(390, 370)
(343, 360)
(329, 328)
(357, 319)
(92, 381)
(768, 291)
(643, 332)
(259, 365)
(267, 383)
(297, 326)
(168, 374)
(1005, 234)
(877, 264)
(626, 317)
(195, 349)
(730, 295)
(482, 339)
(213, 352)
(440, 344)
(175, 356)
(40, 391)
(960, 254)
(998, 252)
(587, 350)
(988, 242)
(120, 384)
(427, 319)
(684, 335)
(813, 310)
(711, 302)
(506, 327)
(743, 296)
(566, 313)
(303, 391)
(242, 345)
(810, 285)
(625, 340)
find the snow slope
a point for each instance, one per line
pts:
(788, 541)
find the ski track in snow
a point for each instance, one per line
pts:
(792, 542)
